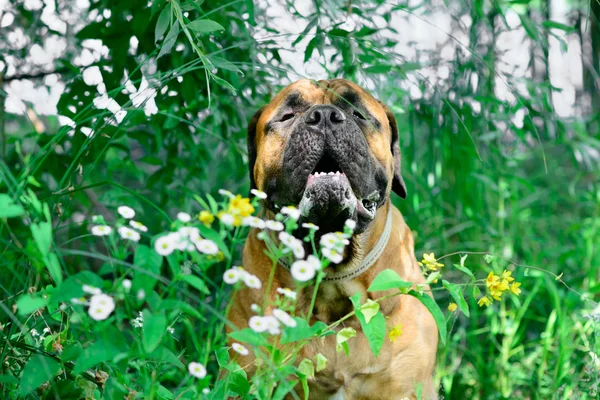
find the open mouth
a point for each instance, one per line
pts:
(326, 167)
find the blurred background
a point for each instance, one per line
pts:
(498, 102)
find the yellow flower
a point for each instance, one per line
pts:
(240, 206)
(206, 218)
(492, 279)
(452, 307)
(429, 261)
(506, 276)
(495, 293)
(395, 332)
(484, 301)
(514, 288)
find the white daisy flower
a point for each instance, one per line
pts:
(46, 330)
(226, 193)
(333, 255)
(254, 222)
(184, 217)
(101, 306)
(274, 225)
(291, 212)
(252, 281)
(205, 391)
(34, 332)
(227, 219)
(255, 308)
(334, 240)
(170, 329)
(302, 271)
(314, 261)
(126, 212)
(350, 224)
(231, 276)
(284, 318)
(298, 250)
(288, 240)
(290, 294)
(126, 284)
(141, 294)
(164, 245)
(197, 370)
(128, 233)
(206, 246)
(101, 230)
(311, 226)
(79, 300)
(257, 323)
(138, 225)
(190, 232)
(259, 193)
(238, 348)
(91, 289)
(272, 325)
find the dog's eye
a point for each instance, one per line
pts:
(359, 115)
(286, 117)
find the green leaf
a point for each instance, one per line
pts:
(195, 282)
(38, 370)
(374, 329)
(247, 335)
(42, 235)
(386, 280)
(98, 352)
(205, 26)
(369, 310)
(28, 304)
(307, 368)
(53, 265)
(378, 69)
(301, 331)
(476, 292)
(8, 380)
(435, 311)
(148, 263)
(466, 270)
(342, 337)
(457, 295)
(222, 356)
(170, 40)
(8, 207)
(162, 24)
(489, 258)
(222, 63)
(558, 25)
(321, 362)
(155, 326)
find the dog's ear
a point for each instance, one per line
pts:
(252, 145)
(398, 185)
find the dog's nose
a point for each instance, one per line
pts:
(321, 116)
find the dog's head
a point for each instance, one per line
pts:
(330, 149)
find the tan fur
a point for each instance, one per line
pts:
(401, 365)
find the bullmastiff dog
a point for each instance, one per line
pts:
(331, 149)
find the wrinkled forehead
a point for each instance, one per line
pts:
(305, 93)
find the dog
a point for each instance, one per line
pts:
(334, 126)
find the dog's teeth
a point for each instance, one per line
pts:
(337, 172)
(332, 173)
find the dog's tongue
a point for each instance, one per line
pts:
(328, 200)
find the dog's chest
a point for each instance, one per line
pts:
(333, 300)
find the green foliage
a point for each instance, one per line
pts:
(523, 197)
